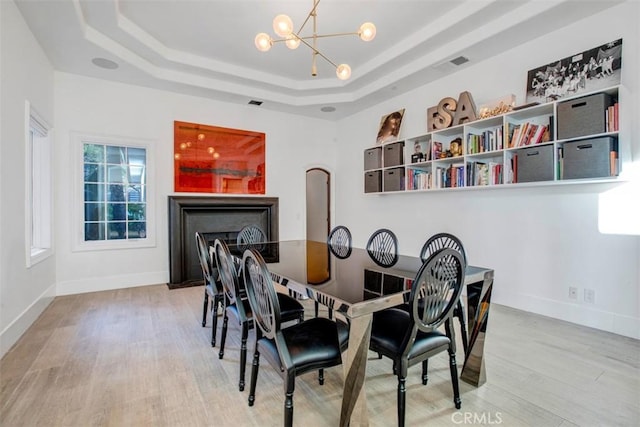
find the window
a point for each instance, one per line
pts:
(115, 202)
(39, 177)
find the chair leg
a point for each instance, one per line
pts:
(217, 300)
(463, 326)
(205, 308)
(254, 377)
(223, 338)
(454, 378)
(317, 307)
(321, 376)
(243, 354)
(401, 400)
(330, 314)
(288, 400)
(425, 368)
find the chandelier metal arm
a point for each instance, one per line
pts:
(317, 52)
(311, 13)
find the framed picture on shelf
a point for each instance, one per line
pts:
(587, 71)
(421, 152)
(390, 127)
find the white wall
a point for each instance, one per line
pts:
(89, 105)
(26, 76)
(539, 240)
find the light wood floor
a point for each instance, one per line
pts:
(139, 357)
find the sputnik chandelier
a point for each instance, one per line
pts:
(283, 27)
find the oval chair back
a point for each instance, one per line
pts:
(229, 277)
(441, 241)
(261, 293)
(339, 242)
(205, 261)
(436, 290)
(250, 235)
(383, 247)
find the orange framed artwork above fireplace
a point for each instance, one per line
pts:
(212, 159)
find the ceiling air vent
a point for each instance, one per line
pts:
(254, 102)
(459, 60)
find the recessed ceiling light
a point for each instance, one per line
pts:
(105, 63)
(328, 109)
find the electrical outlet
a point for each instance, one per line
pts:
(573, 293)
(589, 296)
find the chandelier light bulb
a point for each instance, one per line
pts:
(292, 41)
(282, 25)
(263, 42)
(343, 72)
(367, 32)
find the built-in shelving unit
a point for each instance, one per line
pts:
(569, 140)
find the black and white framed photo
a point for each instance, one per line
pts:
(587, 71)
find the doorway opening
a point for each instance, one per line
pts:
(318, 224)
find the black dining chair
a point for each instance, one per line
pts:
(411, 336)
(382, 247)
(250, 235)
(306, 346)
(434, 244)
(212, 286)
(237, 305)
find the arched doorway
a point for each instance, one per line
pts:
(318, 224)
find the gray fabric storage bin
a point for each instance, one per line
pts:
(583, 116)
(535, 164)
(393, 179)
(373, 182)
(393, 154)
(373, 158)
(588, 158)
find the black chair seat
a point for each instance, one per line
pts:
(385, 336)
(291, 309)
(310, 344)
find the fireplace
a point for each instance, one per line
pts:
(216, 218)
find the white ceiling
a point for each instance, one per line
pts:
(205, 48)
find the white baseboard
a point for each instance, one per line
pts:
(111, 282)
(580, 314)
(12, 333)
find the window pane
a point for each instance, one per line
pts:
(116, 193)
(93, 153)
(116, 211)
(116, 173)
(137, 230)
(136, 212)
(93, 172)
(116, 230)
(115, 155)
(136, 174)
(94, 212)
(94, 231)
(94, 192)
(134, 193)
(137, 156)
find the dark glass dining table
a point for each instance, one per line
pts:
(356, 287)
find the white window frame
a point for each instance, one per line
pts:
(78, 139)
(38, 187)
